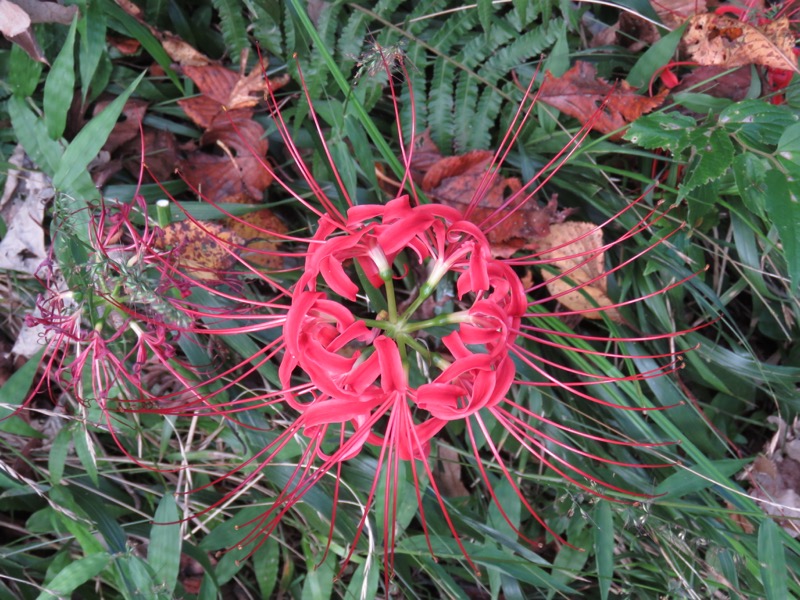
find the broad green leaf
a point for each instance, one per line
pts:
(783, 206)
(319, 577)
(92, 29)
(23, 73)
(604, 545)
(713, 156)
(658, 55)
(772, 561)
(266, 562)
(509, 502)
(75, 575)
(59, 86)
(164, 551)
(668, 131)
(31, 132)
(89, 141)
(789, 144)
(749, 172)
(14, 391)
(758, 122)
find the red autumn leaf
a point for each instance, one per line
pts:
(590, 99)
(223, 89)
(454, 180)
(228, 162)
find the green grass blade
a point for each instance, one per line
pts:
(604, 546)
(772, 561)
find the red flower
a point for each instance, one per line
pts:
(442, 338)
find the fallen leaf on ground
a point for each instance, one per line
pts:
(578, 245)
(197, 248)
(15, 25)
(630, 31)
(227, 162)
(775, 476)
(592, 100)
(674, 13)
(448, 473)
(48, 12)
(454, 181)
(712, 39)
(717, 82)
(255, 229)
(25, 196)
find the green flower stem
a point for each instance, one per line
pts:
(438, 321)
(391, 302)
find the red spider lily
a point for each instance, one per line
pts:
(445, 337)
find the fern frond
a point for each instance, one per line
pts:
(523, 48)
(441, 105)
(234, 27)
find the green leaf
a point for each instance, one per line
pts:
(713, 157)
(23, 73)
(32, 134)
(92, 29)
(59, 86)
(84, 448)
(772, 561)
(670, 131)
(75, 575)
(658, 55)
(789, 144)
(164, 551)
(234, 27)
(89, 141)
(124, 23)
(783, 206)
(604, 546)
(364, 582)
(749, 171)
(700, 477)
(319, 578)
(58, 455)
(15, 390)
(266, 562)
(758, 122)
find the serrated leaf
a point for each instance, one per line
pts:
(772, 561)
(59, 86)
(234, 27)
(713, 156)
(90, 140)
(783, 206)
(669, 131)
(758, 122)
(164, 551)
(74, 575)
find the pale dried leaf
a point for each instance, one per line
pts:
(673, 13)
(577, 254)
(712, 39)
(47, 12)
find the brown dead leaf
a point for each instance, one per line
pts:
(674, 13)
(712, 39)
(223, 89)
(590, 99)
(200, 250)
(585, 257)
(15, 25)
(454, 180)
(48, 12)
(128, 124)
(228, 162)
(255, 229)
(717, 82)
(630, 31)
(448, 473)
